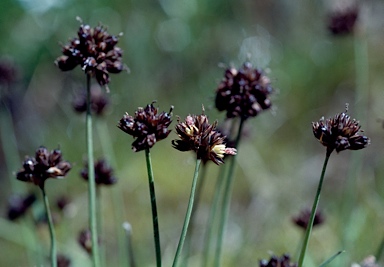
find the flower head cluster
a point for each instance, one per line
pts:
(243, 93)
(85, 240)
(198, 135)
(302, 219)
(283, 261)
(18, 205)
(98, 101)
(63, 202)
(63, 261)
(44, 165)
(340, 133)
(148, 126)
(95, 50)
(103, 173)
(342, 22)
(8, 71)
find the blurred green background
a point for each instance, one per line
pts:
(175, 50)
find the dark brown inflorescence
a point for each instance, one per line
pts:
(18, 205)
(8, 71)
(340, 133)
(95, 50)
(63, 261)
(283, 261)
(103, 173)
(44, 165)
(302, 219)
(99, 101)
(63, 202)
(85, 240)
(243, 93)
(198, 135)
(342, 22)
(148, 126)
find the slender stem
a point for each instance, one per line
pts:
(199, 189)
(91, 180)
(188, 214)
(313, 212)
(99, 219)
(117, 194)
(212, 216)
(326, 262)
(51, 229)
(128, 231)
(227, 200)
(154, 207)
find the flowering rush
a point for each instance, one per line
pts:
(198, 135)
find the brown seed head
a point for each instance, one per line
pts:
(103, 173)
(8, 71)
(18, 205)
(148, 126)
(342, 22)
(283, 261)
(63, 261)
(99, 101)
(85, 241)
(198, 135)
(340, 133)
(243, 93)
(302, 219)
(44, 165)
(95, 50)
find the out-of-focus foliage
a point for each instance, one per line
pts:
(174, 50)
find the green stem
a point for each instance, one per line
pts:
(154, 207)
(199, 189)
(313, 212)
(188, 214)
(51, 229)
(128, 232)
(326, 262)
(212, 216)
(227, 200)
(91, 180)
(117, 194)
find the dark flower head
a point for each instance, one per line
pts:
(44, 165)
(243, 93)
(302, 219)
(340, 133)
(198, 135)
(63, 202)
(342, 22)
(18, 205)
(95, 50)
(103, 173)
(283, 261)
(8, 71)
(63, 261)
(148, 126)
(85, 240)
(98, 101)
